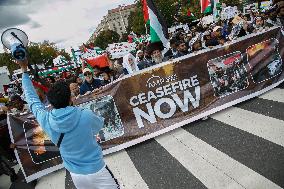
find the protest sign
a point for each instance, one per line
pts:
(206, 20)
(118, 50)
(247, 9)
(229, 12)
(265, 5)
(181, 26)
(167, 96)
(89, 53)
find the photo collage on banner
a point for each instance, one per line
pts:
(268, 53)
(228, 74)
(106, 108)
(38, 143)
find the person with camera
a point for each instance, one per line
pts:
(74, 131)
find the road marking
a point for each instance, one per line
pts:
(214, 168)
(275, 95)
(54, 180)
(266, 127)
(124, 170)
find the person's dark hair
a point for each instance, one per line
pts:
(97, 68)
(106, 70)
(16, 98)
(120, 61)
(59, 95)
(173, 41)
(179, 43)
(199, 29)
(51, 78)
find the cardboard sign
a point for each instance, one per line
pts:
(229, 12)
(118, 50)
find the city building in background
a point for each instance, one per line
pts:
(116, 20)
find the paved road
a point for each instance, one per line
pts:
(241, 147)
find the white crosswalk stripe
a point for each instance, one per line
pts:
(203, 169)
(266, 127)
(275, 95)
(124, 171)
(52, 181)
(214, 168)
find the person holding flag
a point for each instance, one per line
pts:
(158, 28)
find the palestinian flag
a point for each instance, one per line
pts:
(206, 6)
(40, 86)
(84, 48)
(145, 12)
(100, 61)
(158, 28)
(191, 15)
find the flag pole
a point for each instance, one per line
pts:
(215, 11)
(146, 28)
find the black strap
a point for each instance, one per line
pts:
(115, 180)
(60, 140)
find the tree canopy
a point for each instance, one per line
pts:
(106, 37)
(38, 53)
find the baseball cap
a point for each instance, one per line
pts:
(86, 70)
(216, 28)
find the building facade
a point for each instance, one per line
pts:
(116, 20)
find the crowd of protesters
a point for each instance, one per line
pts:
(203, 36)
(84, 80)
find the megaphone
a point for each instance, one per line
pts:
(16, 41)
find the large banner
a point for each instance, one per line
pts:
(164, 97)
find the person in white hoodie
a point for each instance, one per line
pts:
(129, 64)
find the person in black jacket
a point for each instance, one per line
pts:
(90, 84)
(181, 49)
(171, 53)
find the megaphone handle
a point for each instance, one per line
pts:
(13, 34)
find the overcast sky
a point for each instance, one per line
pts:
(65, 22)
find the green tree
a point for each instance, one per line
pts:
(6, 59)
(136, 20)
(34, 53)
(106, 37)
(42, 53)
(193, 7)
(38, 53)
(124, 37)
(48, 52)
(167, 10)
(62, 52)
(232, 3)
